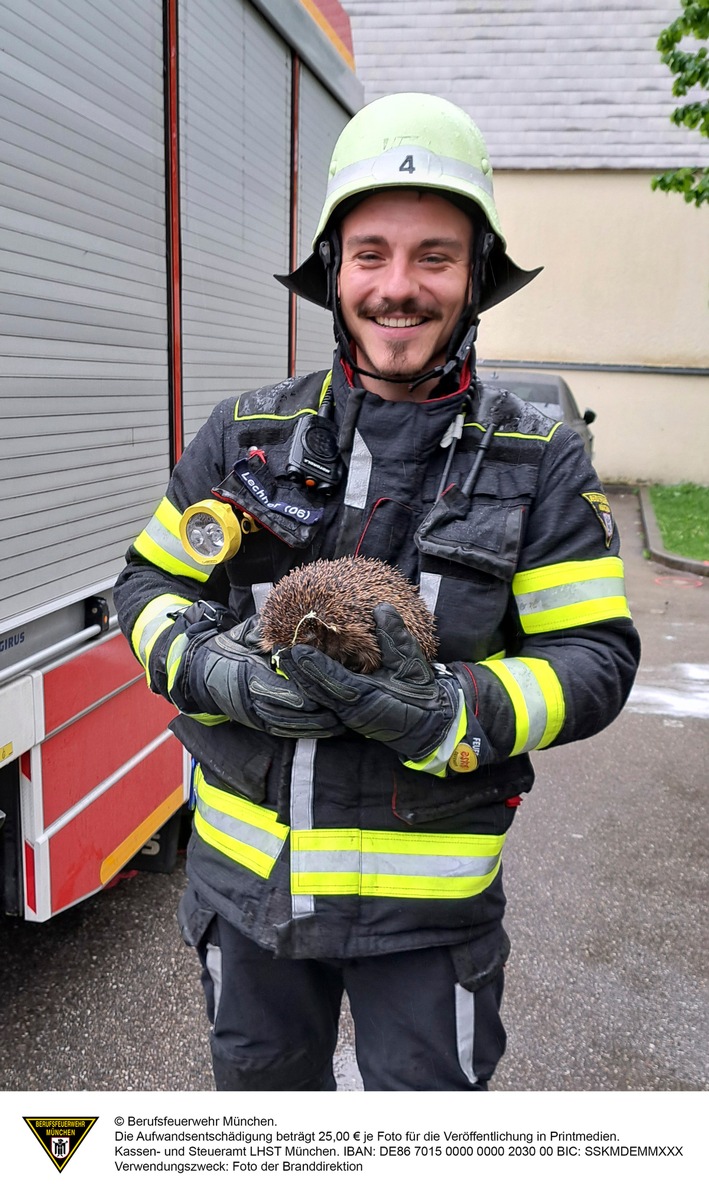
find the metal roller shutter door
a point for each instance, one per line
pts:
(321, 120)
(235, 173)
(82, 292)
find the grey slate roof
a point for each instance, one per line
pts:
(551, 83)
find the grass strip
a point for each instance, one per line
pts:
(682, 514)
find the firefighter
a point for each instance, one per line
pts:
(348, 829)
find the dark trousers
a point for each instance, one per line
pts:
(275, 1020)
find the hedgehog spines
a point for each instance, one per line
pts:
(328, 604)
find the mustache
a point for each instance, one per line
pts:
(409, 308)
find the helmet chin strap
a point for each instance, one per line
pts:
(462, 343)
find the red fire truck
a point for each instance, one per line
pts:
(161, 160)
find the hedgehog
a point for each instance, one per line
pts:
(328, 604)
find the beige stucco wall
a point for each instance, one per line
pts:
(625, 282)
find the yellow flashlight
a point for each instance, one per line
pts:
(211, 531)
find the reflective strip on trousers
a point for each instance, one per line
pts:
(465, 1031)
(536, 697)
(245, 832)
(568, 594)
(432, 866)
(160, 544)
(213, 963)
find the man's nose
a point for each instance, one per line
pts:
(398, 282)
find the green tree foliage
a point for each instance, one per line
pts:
(691, 70)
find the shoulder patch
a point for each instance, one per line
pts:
(602, 509)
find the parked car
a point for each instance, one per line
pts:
(550, 394)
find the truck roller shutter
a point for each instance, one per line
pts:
(235, 187)
(321, 120)
(82, 292)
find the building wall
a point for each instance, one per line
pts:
(574, 104)
(625, 284)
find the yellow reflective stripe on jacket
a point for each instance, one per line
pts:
(172, 666)
(207, 718)
(161, 545)
(245, 832)
(338, 862)
(152, 621)
(571, 593)
(353, 862)
(526, 437)
(436, 763)
(293, 416)
(174, 658)
(537, 699)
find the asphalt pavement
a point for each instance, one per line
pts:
(606, 870)
(607, 881)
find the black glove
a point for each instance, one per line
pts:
(417, 709)
(229, 674)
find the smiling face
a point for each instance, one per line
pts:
(403, 283)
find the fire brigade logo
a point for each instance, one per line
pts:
(602, 509)
(60, 1136)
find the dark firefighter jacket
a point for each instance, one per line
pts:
(335, 848)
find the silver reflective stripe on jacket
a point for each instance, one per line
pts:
(301, 808)
(247, 833)
(372, 862)
(429, 587)
(359, 473)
